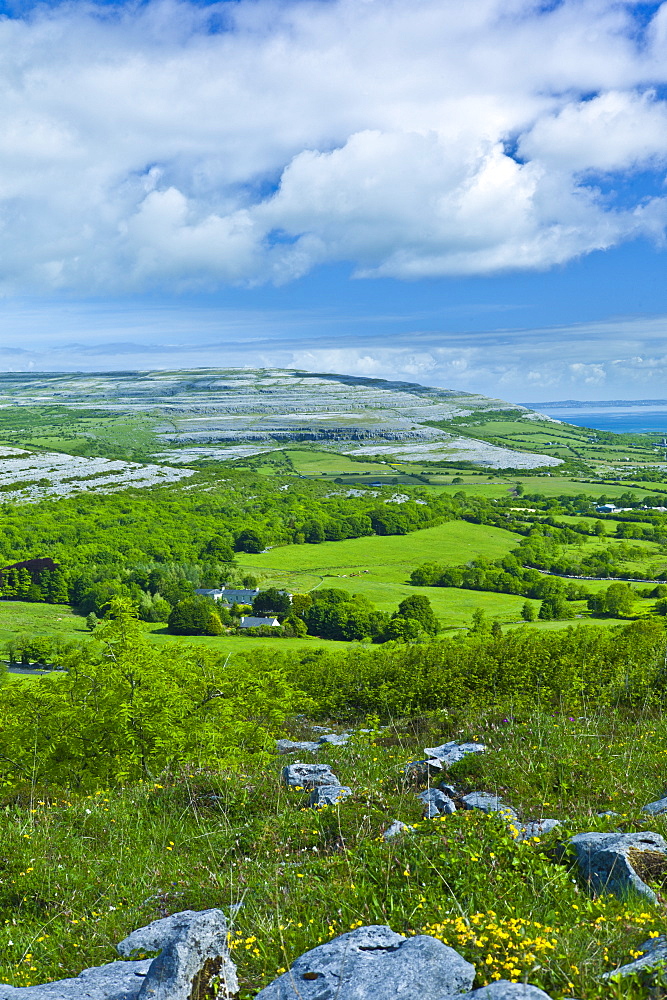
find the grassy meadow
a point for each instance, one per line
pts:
(81, 871)
(388, 558)
(84, 863)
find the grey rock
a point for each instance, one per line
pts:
(607, 812)
(448, 790)
(437, 803)
(537, 828)
(300, 775)
(656, 808)
(608, 861)
(116, 981)
(328, 795)
(334, 739)
(312, 746)
(296, 746)
(194, 955)
(452, 752)
(374, 963)
(419, 769)
(395, 829)
(503, 989)
(488, 803)
(655, 953)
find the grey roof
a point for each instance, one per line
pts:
(251, 621)
(228, 595)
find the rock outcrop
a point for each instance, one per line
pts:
(620, 863)
(654, 957)
(308, 775)
(193, 964)
(656, 808)
(395, 829)
(503, 989)
(488, 803)
(537, 828)
(374, 963)
(437, 803)
(328, 795)
(452, 752)
(312, 746)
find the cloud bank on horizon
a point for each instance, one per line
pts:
(172, 145)
(617, 359)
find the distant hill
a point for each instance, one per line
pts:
(231, 413)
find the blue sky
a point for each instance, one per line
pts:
(467, 195)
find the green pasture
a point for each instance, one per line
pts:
(17, 617)
(387, 558)
(39, 620)
(314, 462)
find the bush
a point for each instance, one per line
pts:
(195, 616)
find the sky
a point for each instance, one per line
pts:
(469, 195)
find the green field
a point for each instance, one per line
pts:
(388, 559)
(379, 568)
(17, 617)
(314, 462)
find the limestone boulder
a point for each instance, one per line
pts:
(452, 752)
(115, 981)
(621, 863)
(308, 776)
(437, 803)
(328, 795)
(374, 963)
(296, 746)
(194, 956)
(503, 989)
(395, 829)
(654, 957)
(656, 808)
(488, 803)
(537, 828)
(193, 964)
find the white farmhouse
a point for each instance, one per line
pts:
(252, 621)
(229, 596)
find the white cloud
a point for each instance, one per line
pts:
(143, 148)
(621, 359)
(615, 131)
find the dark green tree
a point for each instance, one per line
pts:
(418, 607)
(272, 601)
(528, 612)
(249, 540)
(195, 616)
(219, 549)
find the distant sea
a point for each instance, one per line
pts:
(625, 416)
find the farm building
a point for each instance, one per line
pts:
(229, 596)
(252, 621)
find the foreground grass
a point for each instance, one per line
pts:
(79, 872)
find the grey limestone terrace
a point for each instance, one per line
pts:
(28, 477)
(232, 412)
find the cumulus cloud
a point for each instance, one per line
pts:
(173, 145)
